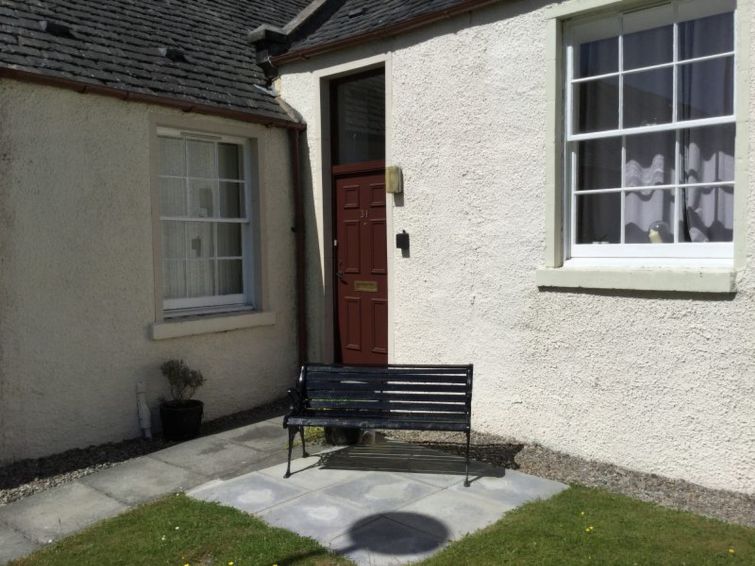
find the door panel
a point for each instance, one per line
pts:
(361, 269)
(353, 320)
(379, 338)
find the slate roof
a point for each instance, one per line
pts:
(116, 44)
(358, 17)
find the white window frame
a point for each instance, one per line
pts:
(222, 303)
(693, 254)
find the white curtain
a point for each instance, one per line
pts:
(708, 157)
(650, 161)
(706, 212)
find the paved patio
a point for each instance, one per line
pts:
(35, 521)
(387, 503)
(383, 503)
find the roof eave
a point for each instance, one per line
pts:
(395, 29)
(122, 94)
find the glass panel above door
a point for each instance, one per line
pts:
(359, 112)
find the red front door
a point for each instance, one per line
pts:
(361, 277)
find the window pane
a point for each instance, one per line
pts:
(648, 97)
(599, 57)
(706, 36)
(232, 200)
(650, 47)
(229, 161)
(360, 119)
(230, 277)
(649, 217)
(708, 154)
(172, 157)
(174, 279)
(200, 278)
(708, 214)
(201, 242)
(173, 239)
(706, 89)
(599, 164)
(598, 218)
(598, 105)
(229, 240)
(202, 159)
(202, 198)
(650, 159)
(172, 197)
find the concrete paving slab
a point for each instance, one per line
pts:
(265, 436)
(14, 545)
(512, 490)
(454, 514)
(252, 492)
(380, 491)
(438, 480)
(58, 512)
(315, 515)
(384, 541)
(306, 473)
(142, 479)
(210, 457)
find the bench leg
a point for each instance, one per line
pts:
(466, 480)
(303, 447)
(291, 435)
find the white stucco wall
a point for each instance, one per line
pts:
(662, 383)
(77, 288)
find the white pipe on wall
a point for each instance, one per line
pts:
(145, 417)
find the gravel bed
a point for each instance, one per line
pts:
(537, 460)
(27, 477)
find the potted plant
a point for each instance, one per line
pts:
(182, 415)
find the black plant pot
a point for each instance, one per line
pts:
(342, 436)
(181, 419)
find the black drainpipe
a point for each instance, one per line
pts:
(301, 298)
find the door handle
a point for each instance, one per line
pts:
(339, 274)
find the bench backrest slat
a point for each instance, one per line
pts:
(377, 395)
(396, 406)
(413, 392)
(314, 378)
(395, 368)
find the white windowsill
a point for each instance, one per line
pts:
(209, 323)
(667, 278)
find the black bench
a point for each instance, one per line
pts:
(406, 397)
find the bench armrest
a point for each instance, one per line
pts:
(297, 401)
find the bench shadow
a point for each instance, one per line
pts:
(386, 455)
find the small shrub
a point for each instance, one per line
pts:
(183, 380)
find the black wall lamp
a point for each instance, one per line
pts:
(402, 241)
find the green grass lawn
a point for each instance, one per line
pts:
(591, 526)
(578, 526)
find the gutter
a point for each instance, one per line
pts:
(301, 297)
(186, 106)
(391, 30)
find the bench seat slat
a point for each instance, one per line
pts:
(366, 423)
(386, 415)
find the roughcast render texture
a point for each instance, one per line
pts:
(77, 284)
(661, 383)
